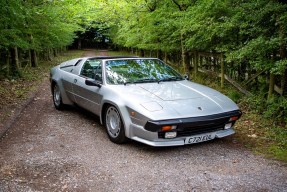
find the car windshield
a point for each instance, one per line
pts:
(139, 71)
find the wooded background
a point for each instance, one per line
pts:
(242, 41)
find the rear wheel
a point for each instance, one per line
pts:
(114, 125)
(57, 98)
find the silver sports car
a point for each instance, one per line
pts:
(143, 99)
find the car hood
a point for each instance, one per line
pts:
(173, 91)
(178, 99)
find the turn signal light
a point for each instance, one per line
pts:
(168, 127)
(233, 118)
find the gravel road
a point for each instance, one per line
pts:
(50, 150)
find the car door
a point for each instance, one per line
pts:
(68, 82)
(68, 77)
(86, 96)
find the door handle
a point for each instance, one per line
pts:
(75, 80)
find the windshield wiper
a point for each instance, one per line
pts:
(171, 79)
(154, 80)
(128, 82)
(145, 81)
(140, 81)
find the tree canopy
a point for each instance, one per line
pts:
(246, 31)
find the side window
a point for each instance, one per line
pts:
(92, 69)
(98, 73)
(87, 70)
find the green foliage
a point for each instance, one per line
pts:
(204, 25)
(258, 38)
(235, 96)
(255, 103)
(263, 125)
(11, 24)
(279, 67)
(40, 24)
(167, 25)
(274, 108)
(278, 146)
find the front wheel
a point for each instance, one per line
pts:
(57, 98)
(114, 125)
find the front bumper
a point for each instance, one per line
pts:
(152, 134)
(179, 141)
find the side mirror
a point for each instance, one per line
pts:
(91, 82)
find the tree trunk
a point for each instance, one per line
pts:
(55, 52)
(49, 54)
(165, 56)
(160, 55)
(284, 83)
(188, 59)
(200, 61)
(271, 86)
(183, 57)
(29, 58)
(222, 71)
(79, 44)
(14, 64)
(141, 52)
(195, 64)
(283, 55)
(34, 60)
(8, 62)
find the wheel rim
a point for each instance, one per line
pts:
(57, 95)
(113, 122)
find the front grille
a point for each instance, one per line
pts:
(195, 128)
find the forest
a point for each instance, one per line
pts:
(241, 42)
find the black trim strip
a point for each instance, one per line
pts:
(66, 66)
(72, 65)
(155, 126)
(111, 57)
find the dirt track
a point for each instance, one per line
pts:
(50, 150)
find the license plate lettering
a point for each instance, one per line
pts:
(199, 138)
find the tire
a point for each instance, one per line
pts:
(114, 125)
(57, 98)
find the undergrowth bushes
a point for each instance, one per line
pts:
(263, 125)
(274, 109)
